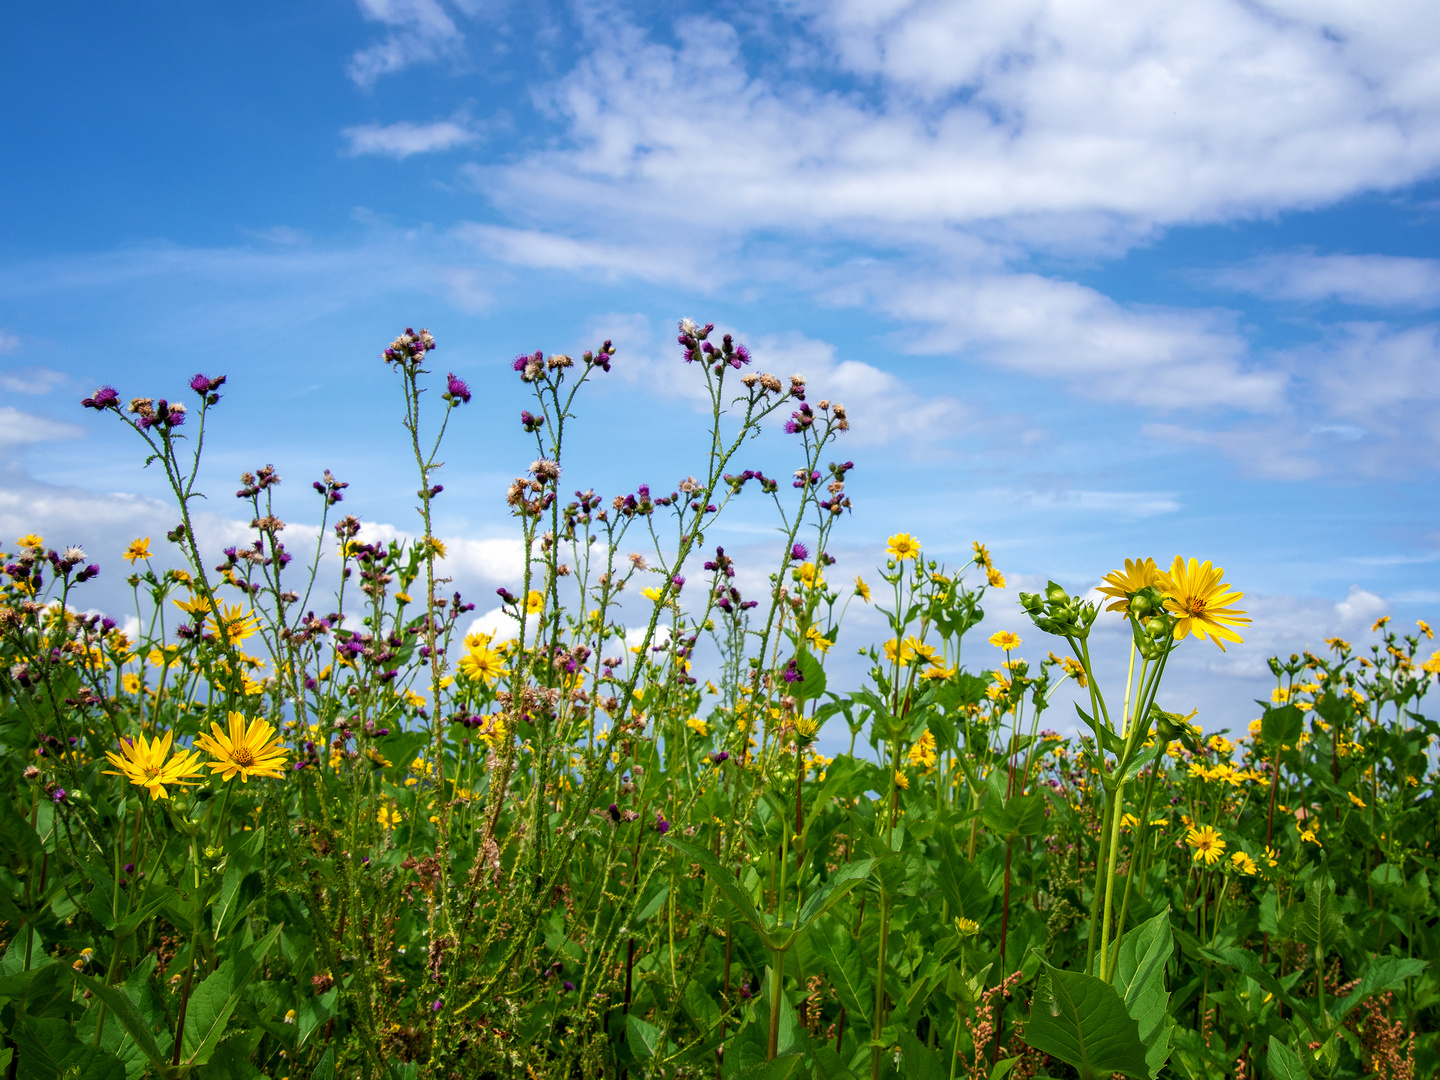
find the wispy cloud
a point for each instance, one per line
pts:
(1385, 281)
(401, 140)
(21, 428)
(420, 31)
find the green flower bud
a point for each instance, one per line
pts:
(1140, 605)
(1158, 627)
(1055, 594)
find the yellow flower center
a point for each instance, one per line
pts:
(151, 772)
(243, 757)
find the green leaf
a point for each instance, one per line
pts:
(812, 683)
(1082, 1020)
(643, 1038)
(919, 1062)
(840, 956)
(1319, 919)
(1281, 726)
(123, 1009)
(1140, 981)
(212, 1002)
(833, 890)
(653, 905)
(49, 1048)
(725, 881)
(17, 833)
(1247, 963)
(1020, 815)
(1282, 1063)
(1384, 973)
(326, 1069)
(960, 883)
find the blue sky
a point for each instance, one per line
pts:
(1095, 280)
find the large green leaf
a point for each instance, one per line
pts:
(49, 1048)
(1282, 1063)
(812, 682)
(215, 999)
(1384, 973)
(1281, 726)
(725, 881)
(839, 954)
(834, 889)
(1319, 921)
(642, 1037)
(1140, 981)
(1082, 1020)
(124, 1011)
(918, 1061)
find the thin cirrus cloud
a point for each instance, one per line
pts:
(401, 140)
(418, 31)
(1381, 281)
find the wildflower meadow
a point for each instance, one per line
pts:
(296, 819)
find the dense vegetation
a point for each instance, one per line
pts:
(298, 820)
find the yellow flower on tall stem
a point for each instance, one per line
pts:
(1198, 598)
(239, 624)
(1207, 844)
(1123, 584)
(247, 749)
(902, 546)
(138, 549)
(142, 762)
(1005, 639)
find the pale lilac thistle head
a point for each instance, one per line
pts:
(409, 348)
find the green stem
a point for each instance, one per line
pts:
(777, 976)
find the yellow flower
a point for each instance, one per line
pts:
(1071, 667)
(924, 751)
(1207, 844)
(195, 605)
(388, 817)
(1356, 799)
(901, 780)
(652, 592)
(818, 641)
(246, 749)
(698, 726)
(1308, 836)
(1272, 857)
(861, 589)
(437, 546)
(414, 700)
(1123, 584)
(1193, 591)
(1221, 745)
(982, 554)
(482, 664)
(919, 648)
(966, 927)
(239, 624)
(902, 546)
(1005, 639)
(402, 598)
(899, 653)
(534, 602)
(1255, 728)
(1129, 821)
(1425, 629)
(138, 549)
(130, 682)
(1243, 863)
(31, 540)
(810, 575)
(1432, 666)
(938, 670)
(995, 577)
(142, 762)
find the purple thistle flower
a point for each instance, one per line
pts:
(457, 388)
(435, 1005)
(678, 582)
(661, 825)
(569, 986)
(200, 384)
(799, 553)
(58, 795)
(107, 397)
(719, 756)
(742, 356)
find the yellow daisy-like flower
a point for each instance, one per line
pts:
(1221, 745)
(239, 624)
(899, 652)
(1425, 629)
(1243, 863)
(1207, 844)
(982, 555)
(1432, 666)
(810, 575)
(31, 540)
(1005, 639)
(414, 700)
(1123, 584)
(995, 577)
(138, 549)
(818, 641)
(195, 605)
(861, 589)
(902, 546)
(482, 664)
(1308, 836)
(901, 780)
(142, 762)
(247, 749)
(1272, 857)
(1356, 799)
(437, 547)
(967, 927)
(924, 752)
(698, 726)
(388, 817)
(534, 602)
(130, 682)
(403, 598)
(1194, 592)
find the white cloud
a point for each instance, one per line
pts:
(1125, 505)
(1359, 608)
(1368, 280)
(403, 139)
(420, 31)
(500, 559)
(20, 428)
(29, 380)
(8, 342)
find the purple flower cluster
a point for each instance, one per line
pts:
(737, 482)
(331, 488)
(457, 391)
(206, 387)
(409, 348)
(800, 419)
(530, 422)
(107, 397)
(638, 504)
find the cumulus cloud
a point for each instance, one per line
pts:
(403, 139)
